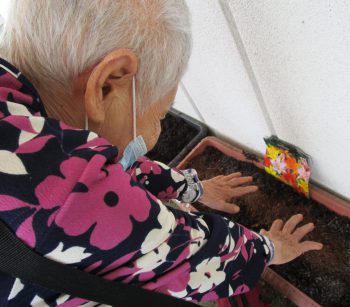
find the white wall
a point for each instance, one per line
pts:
(217, 80)
(285, 65)
(4, 6)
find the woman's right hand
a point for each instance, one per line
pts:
(287, 239)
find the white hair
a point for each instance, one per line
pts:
(56, 40)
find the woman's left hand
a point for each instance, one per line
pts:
(219, 191)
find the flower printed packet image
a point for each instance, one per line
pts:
(287, 163)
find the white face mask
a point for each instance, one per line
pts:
(137, 147)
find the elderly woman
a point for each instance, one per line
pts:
(83, 87)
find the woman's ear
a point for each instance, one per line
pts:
(111, 76)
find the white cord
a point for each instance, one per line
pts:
(134, 104)
(86, 122)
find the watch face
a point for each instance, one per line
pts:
(190, 195)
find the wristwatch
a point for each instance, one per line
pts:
(194, 187)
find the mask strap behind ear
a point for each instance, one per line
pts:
(86, 122)
(134, 105)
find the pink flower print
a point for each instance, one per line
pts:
(53, 190)
(279, 164)
(30, 127)
(304, 171)
(50, 193)
(168, 194)
(241, 289)
(303, 174)
(211, 296)
(173, 282)
(148, 167)
(34, 145)
(106, 205)
(10, 84)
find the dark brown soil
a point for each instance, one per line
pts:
(323, 275)
(176, 134)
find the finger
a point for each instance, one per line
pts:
(233, 175)
(228, 207)
(309, 246)
(302, 231)
(236, 192)
(276, 225)
(234, 182)
(293, 221)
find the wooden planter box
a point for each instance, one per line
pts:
(330, 201)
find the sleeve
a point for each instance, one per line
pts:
(128, 235)
(167, 183)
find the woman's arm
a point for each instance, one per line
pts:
(170, 183)
(166, 183)
(134, 238)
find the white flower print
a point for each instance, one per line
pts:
(16, 288)
(230, 243)
(17, 109)
(62, 299)
(153, 259)
(197, 241)
(37, 301)
(26, 136)
(37, 123)
(176, 176)
(162, 165)
(91, 136)
(180, 294)
(138, 171)
(157, 236)
(206, 275)
(10, 163)
(71, 255)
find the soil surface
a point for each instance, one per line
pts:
(323, 275)
(176, 134)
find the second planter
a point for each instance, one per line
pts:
(180, 133)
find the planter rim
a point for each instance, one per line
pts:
(294, 294)
(332, 202)
(201, 133)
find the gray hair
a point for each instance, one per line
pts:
(56, 40)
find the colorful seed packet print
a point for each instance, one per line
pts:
(288, 164)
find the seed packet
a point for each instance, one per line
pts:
(288, 163)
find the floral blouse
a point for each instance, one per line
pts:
(63, 193)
